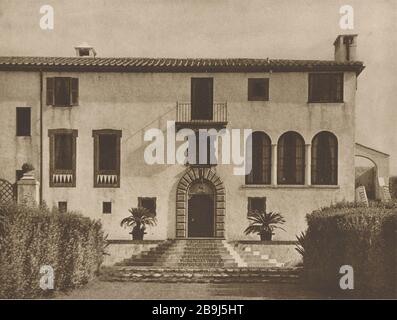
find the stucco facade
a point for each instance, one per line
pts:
(135, 102)
(129, 96)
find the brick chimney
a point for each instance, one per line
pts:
(85, 50)
(345, 47)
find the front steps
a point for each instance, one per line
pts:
(185, 253)
(256, 257)
(200, 260)
(200, 275)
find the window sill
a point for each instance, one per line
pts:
(326, 102)
(63, 106)
(99, 186)
(62, 185)
(259, 100)
(288, 186)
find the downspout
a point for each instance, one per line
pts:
(41, 136)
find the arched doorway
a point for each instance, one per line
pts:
(200, 204)
(378, 178)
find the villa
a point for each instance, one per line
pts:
(81, 122)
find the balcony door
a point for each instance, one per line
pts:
(202, 98)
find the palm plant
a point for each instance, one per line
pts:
(138, 220)
(263, 224)
(300, 247)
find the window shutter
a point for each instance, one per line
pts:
(74, 91)
(50, 91)
(339, 87)
(266, 89)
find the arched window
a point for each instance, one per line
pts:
(261, 159)
(291, 159)
(324, 159)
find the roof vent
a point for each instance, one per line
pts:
(85, 50)
(345, 48)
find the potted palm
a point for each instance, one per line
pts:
(138, 220)
(263, 224)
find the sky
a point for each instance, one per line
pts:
(283, 29)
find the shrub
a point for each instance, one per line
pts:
(393, 187)
(350, 234)
(30, 238)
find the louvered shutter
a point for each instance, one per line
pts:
(74, 91)
(50, 91)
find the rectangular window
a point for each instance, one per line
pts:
(62, 91)
(106, 207)
(62, 157)
(108, 152)
(107, 158)
(148, 203)
(326, 87)
(62, 206)
(258, 89)
(23, 122)
(256, 204)
(63, 147)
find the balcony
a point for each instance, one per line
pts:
(217, 117)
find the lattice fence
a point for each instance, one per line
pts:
(7, 192)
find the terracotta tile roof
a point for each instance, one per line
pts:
(172, 65)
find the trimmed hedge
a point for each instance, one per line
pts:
(351, 234)
(30, 238)
(393, 187)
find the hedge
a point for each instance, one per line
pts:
(351, 234)
(30, 238)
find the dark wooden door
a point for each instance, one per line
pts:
(201, 216)
(202, 98)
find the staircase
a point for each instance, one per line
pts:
(185, 253)
(256, 258)
(201, 260)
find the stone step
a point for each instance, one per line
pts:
(183, 257)
(148, 274)
(203, 253)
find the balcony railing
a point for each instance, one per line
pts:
(184, 113)
(63, 178)
(107, 178)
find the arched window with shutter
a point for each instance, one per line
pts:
(291, 159)
(324, 159)
(261, 159)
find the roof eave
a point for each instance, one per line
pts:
(358, 68)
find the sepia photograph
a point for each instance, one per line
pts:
(197, 155)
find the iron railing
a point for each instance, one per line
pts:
(184, 113)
